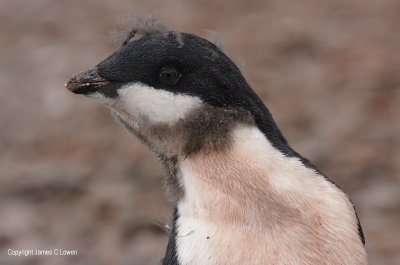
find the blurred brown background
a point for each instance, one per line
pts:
(71, 178)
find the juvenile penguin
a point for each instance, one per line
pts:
(242, 194)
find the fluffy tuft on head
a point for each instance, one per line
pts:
(135, 26)
(142, 26)
(215, 38)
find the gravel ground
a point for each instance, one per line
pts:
(70, 178)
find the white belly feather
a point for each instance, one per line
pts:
(254, 205)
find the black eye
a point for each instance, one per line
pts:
(169, 76)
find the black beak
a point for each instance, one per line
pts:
(86, 82)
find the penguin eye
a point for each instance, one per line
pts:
(169, 76)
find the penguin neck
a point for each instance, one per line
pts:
(230, 184)
(253, 198)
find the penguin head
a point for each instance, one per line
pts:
(169, 82)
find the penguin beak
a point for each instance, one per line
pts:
(86, 82)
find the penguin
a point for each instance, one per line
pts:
(242, 195)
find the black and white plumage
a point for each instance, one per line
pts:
(242, 194)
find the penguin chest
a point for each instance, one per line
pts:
(253, 205)
(200, 242)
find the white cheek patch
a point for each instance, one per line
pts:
(99, 97)
(156, 104)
